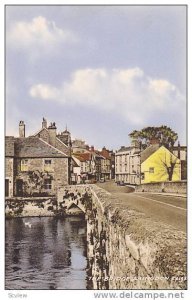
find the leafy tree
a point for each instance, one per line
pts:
(164, 134)
(35, 182)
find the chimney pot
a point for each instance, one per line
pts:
(21, 129)
(44, 123)
(52, 134)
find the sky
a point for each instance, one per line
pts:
(103, 71)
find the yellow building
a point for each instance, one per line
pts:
(159, 164)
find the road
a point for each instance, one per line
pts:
(169, 209)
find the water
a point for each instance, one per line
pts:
(45, 253)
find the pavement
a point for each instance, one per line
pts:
(165, 194)
(170, 209)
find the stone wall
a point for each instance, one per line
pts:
(177, 187)
(9, 169)
(58, 172)
(126, 250)
(25, 207)
(43, 134)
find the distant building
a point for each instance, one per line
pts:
(158, 164)
(127, 164)
(65, 137)
(107, 164)
(90, 163)
(94, 165)
(79, 146)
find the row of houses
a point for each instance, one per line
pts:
(42, 163)
(93, 165)
(136, 165)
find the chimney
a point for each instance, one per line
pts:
(179, 150)
(154, 141)
(52, 134)
(105, 152)
(44, 123)
(21, 129)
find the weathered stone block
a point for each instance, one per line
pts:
(133, 248)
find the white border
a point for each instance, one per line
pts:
(85, 295)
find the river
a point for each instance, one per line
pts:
(45, 253)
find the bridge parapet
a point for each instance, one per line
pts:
(126, 250)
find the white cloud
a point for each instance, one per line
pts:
(39, 33)
(44, 91)
(129, 93)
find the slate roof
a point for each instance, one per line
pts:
(75, 161)
(35, 147)
(123, 149)
(148, 152)
(9, 146)
(130, 148)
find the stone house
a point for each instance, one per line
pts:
(38, 164)
(9, 166)
(49, 134)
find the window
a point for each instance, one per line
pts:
(142, 176)
(24, 165)
(151, 170)
(47, 165)
(47, 184)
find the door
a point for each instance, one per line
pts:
(19, 187)
(6, 187)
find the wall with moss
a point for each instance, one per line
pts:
(126, 250)
(27, 207)
(177, 187)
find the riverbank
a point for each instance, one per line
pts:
(121, 241)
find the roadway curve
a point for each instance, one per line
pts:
(169, 209)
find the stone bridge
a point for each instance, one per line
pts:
(126, 250)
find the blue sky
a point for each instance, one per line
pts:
(102, 70)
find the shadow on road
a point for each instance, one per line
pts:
(112, 187)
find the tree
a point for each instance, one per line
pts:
(170, 165)
(35, 182)
(164, 134)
